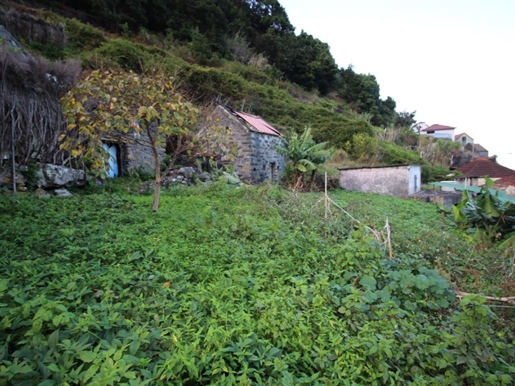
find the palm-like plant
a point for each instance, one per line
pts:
(305, 155)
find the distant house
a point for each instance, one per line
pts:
(467, 143)
(507, 184)
(477, 150)
(439, 131)
(474, 172)
(419, 126)
(257, 159)
(464, 139)
(399, 181)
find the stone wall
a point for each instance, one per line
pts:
(240, 134)
(391, 181)
(131, 155)
(266, 162)
(136, 156)
(257, 160)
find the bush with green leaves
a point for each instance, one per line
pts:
(231, 286)
(394, 154)
(485, 215)
(123, 53)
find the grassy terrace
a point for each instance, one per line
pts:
(246, 286)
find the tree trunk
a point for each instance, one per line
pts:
(157, 180)
(312, 179)
(295, 178)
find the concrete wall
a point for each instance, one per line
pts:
(474, 181)
(400, 181)
(448, 134)
(414, 178)
(465, 140)
(447, 199)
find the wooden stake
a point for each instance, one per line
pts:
(326, 201)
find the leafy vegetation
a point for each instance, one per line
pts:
(248, 285)
(305, 156)
(485, 216)
(111, 103)
(240, 286)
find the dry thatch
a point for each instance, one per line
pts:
(30, 88)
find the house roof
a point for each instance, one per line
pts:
(257, 123)
(379, 167)
(437, 127)
(482, 166)
(504, 182)
(475, 147)
(478, 147)
(458, 136)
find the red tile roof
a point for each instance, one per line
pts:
(481, 167)
(258, 124)
(437, 127)
(504, 182)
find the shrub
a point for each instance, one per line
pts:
(81, 37)
(123, 54)
(341, 133)
(394, 154)
(364, 148)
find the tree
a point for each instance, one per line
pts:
(363, 93)
(405, 119)
(112, 102)
(307, 61)
(305, 155)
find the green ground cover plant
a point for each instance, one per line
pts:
(244, 286)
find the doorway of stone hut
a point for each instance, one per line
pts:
(112, 168)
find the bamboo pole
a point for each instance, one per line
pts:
(505, 299)
(326, 201)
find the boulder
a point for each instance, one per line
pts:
(55, 176)
(187, 172)
(62, 193)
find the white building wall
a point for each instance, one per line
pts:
(400, 181)
(415, 176)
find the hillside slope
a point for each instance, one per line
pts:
(251, 84)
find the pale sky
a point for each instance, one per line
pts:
(451, 61)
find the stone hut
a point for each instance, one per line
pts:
(257, 159)
(127, 154)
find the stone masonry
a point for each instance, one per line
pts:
(257, 159)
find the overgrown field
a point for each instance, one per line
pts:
(245, 286)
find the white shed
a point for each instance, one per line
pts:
(398, 180)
